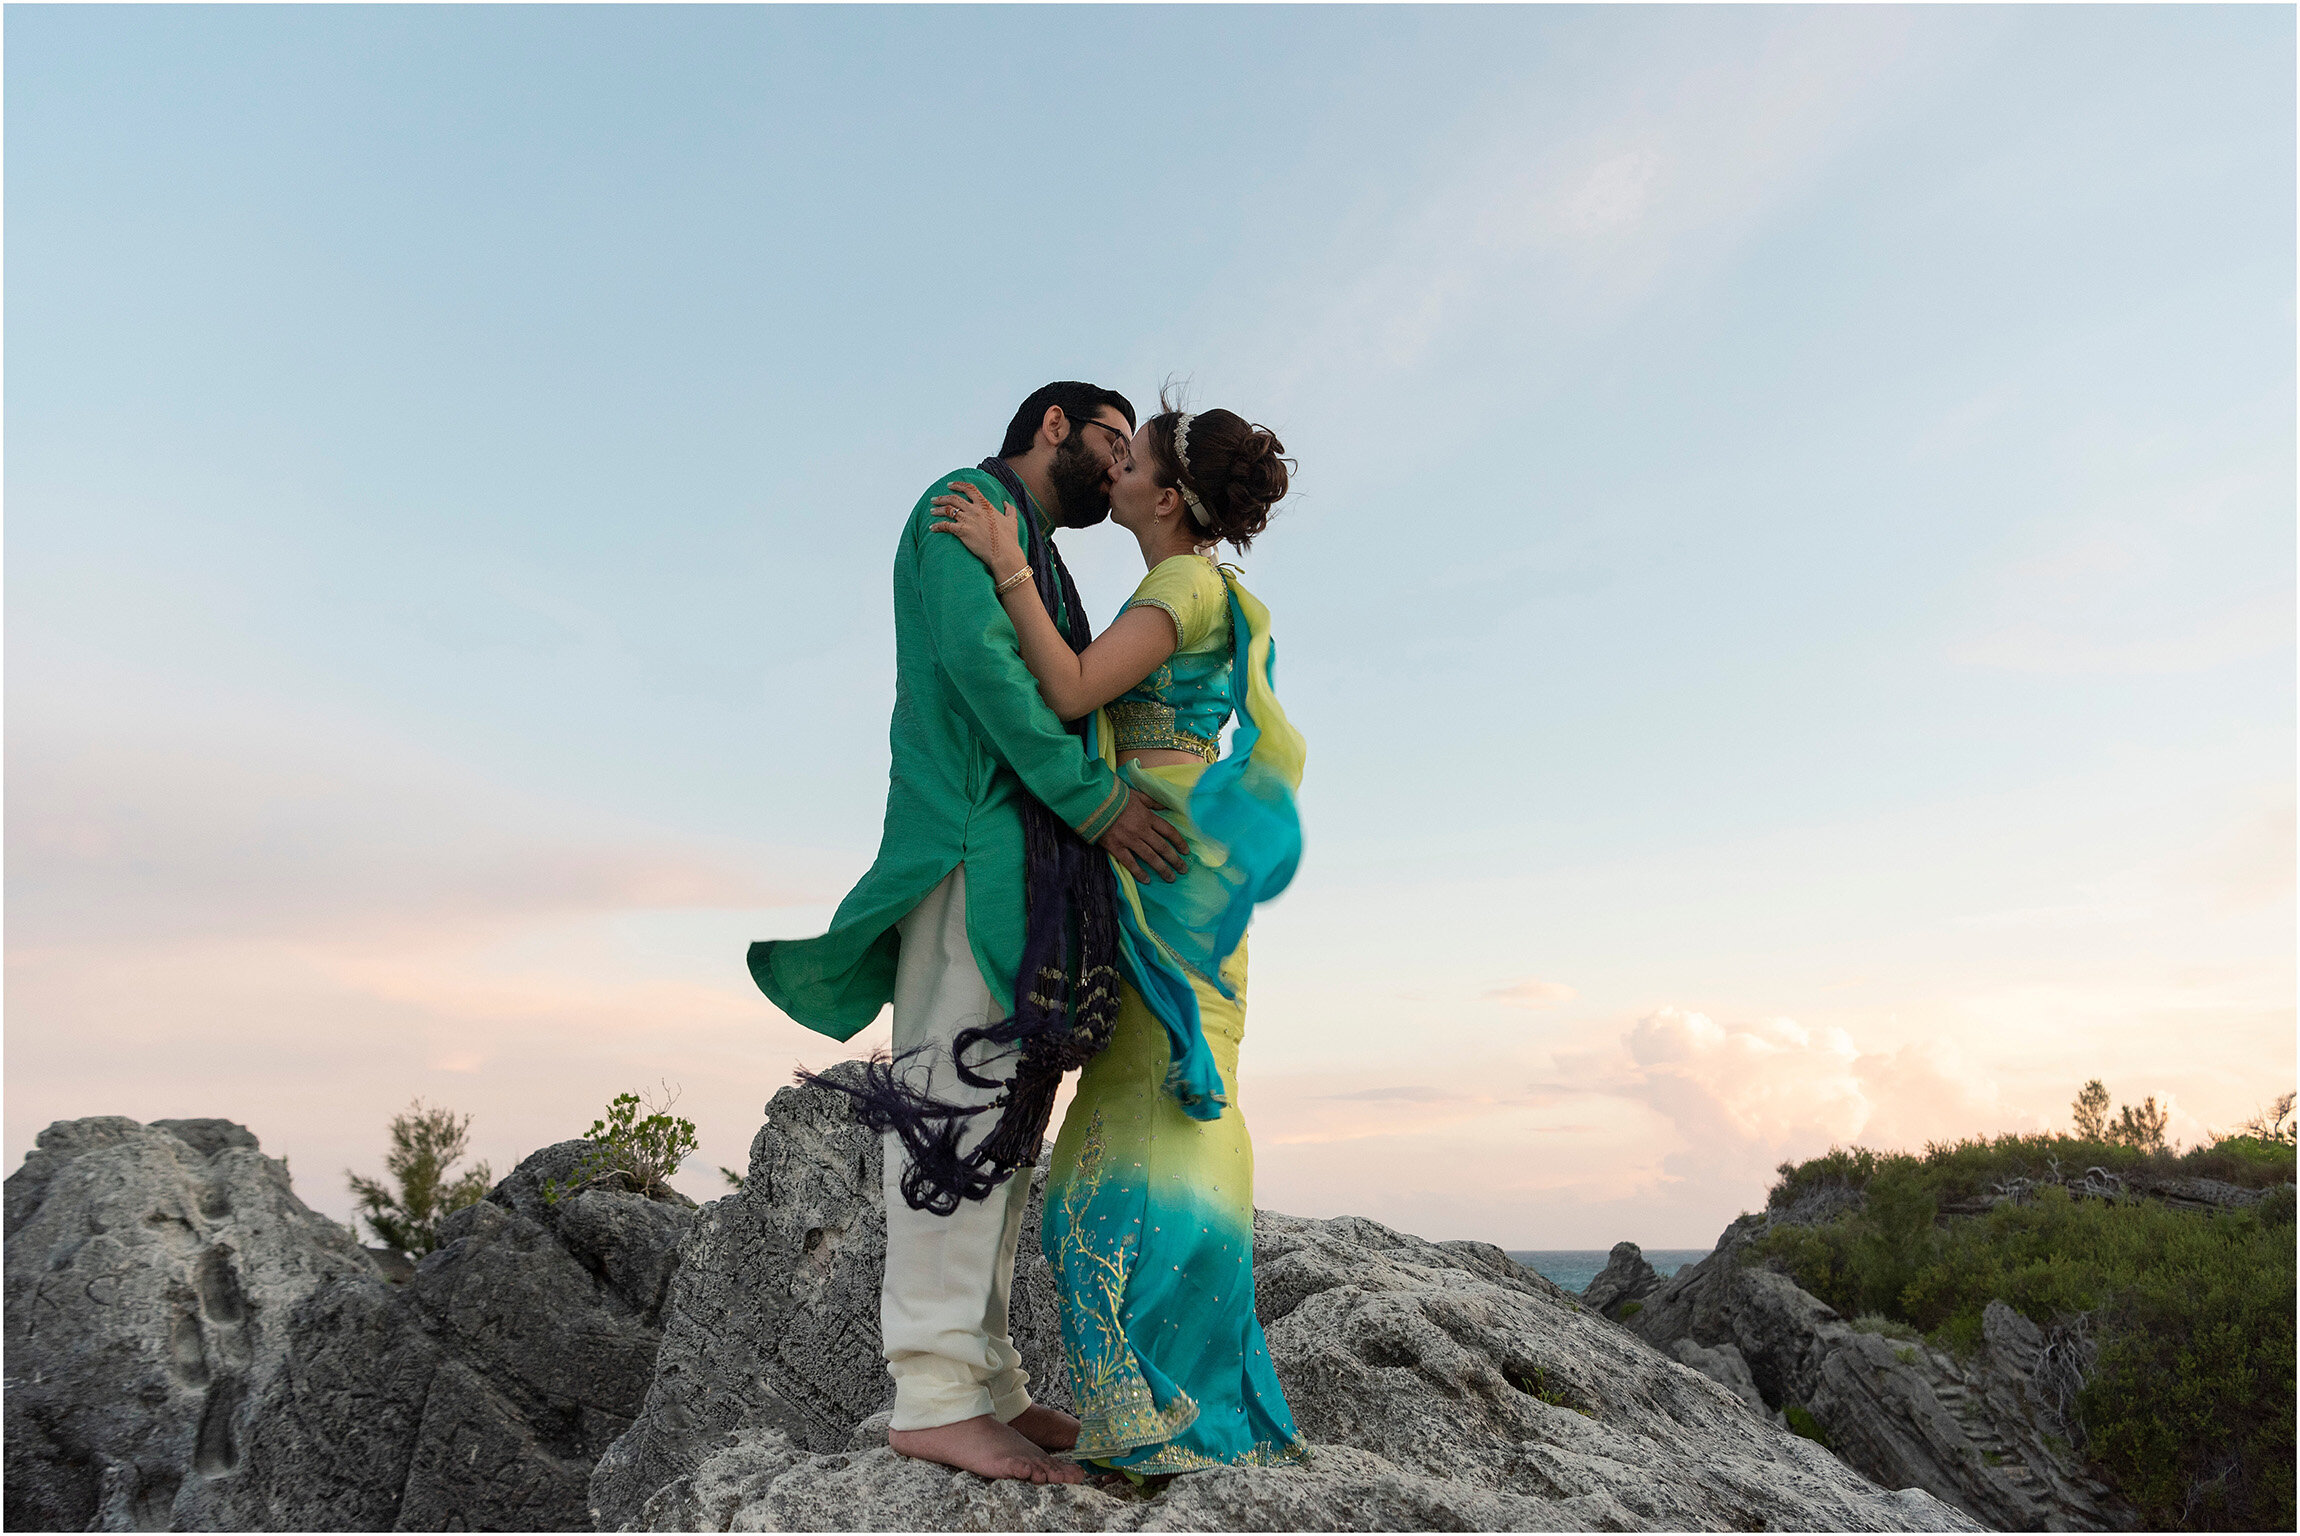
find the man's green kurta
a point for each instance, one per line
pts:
(971, 737)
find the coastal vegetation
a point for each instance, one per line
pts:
(629, 1150)
(425, 1145)
(2185, 1314)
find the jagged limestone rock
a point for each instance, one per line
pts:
(758, 1481)
(772, 1315)
(191, 1348)
(1724, 1365)
(1988, 1435)
(1444, 1386)
(150, 1274)
(479, 1394)
(1625, 1278)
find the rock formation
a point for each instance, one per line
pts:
(772, 1317)
(1990, 1434)
(190, 1348)
(478, 1395)
(150, 1274)
(1625, 1278)
(2183, 1192)
(1443, 1385)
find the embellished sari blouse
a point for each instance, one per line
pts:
(1183, 705)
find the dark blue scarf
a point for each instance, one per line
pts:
(1065, 995)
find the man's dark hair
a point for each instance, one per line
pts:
(1079, 402)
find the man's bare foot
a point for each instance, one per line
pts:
(1048, 1428)
(986, 1448)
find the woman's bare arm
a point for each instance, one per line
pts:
(1073, 683)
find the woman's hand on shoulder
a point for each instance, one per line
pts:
(988, 532)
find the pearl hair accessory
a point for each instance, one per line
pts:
(1182, 452)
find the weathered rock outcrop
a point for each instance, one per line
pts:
(1625, 1278)
(2183, 1192)
(191, 1348)
(772, 1317)
(1989, 1434)
(1443, 1386)
(479, 1394)
(151, 1271)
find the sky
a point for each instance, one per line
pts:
(1789, 586)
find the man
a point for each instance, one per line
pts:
(937, 925)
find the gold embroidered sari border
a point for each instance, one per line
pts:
(1113, 1422)
(1180, 1458)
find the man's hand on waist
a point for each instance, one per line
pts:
(1141, 836)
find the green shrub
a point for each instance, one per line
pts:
(2189, 1408)
(1631, 1309)
(1887, 1327)
(1975, 1169)
(1803, 1423)
(1533, 1381)
(638, 1154)
(425, 1143)
(2246, 1160)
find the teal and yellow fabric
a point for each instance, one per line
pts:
(1181, 706)
(1149, 1216)
(971, 736)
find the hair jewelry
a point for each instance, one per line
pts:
(1182, 452)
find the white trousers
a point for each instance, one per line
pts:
(943, 1303)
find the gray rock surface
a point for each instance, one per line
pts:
(191, 1348)
(1989, 1435)
(1443, 1386)
(479, 1394)
(772, 1316)
(1625, 1278)
(758, 1481)
(151, 1271)
(1724, 1365)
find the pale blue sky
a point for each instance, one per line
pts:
(1792, 566)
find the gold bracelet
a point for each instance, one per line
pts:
(1011, 582)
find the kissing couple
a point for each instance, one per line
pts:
(1069, 861)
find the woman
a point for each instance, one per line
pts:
(1149, 1217)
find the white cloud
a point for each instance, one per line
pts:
(1739, 1098)
(1770, 1082)
(1661, 1132)
(1533, 993)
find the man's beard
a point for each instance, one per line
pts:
(1080, 481)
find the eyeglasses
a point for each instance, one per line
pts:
(1121, 445)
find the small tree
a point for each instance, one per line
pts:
(2091, 1108)
(2273, 1124)
(425, 1143)
(640, 1154)
(2141, 1129)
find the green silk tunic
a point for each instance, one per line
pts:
(971, 736)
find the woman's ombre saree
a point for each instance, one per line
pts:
(1149, 1217)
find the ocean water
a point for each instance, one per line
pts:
(1574, 1268)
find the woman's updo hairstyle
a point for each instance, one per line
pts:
(1237, 470)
